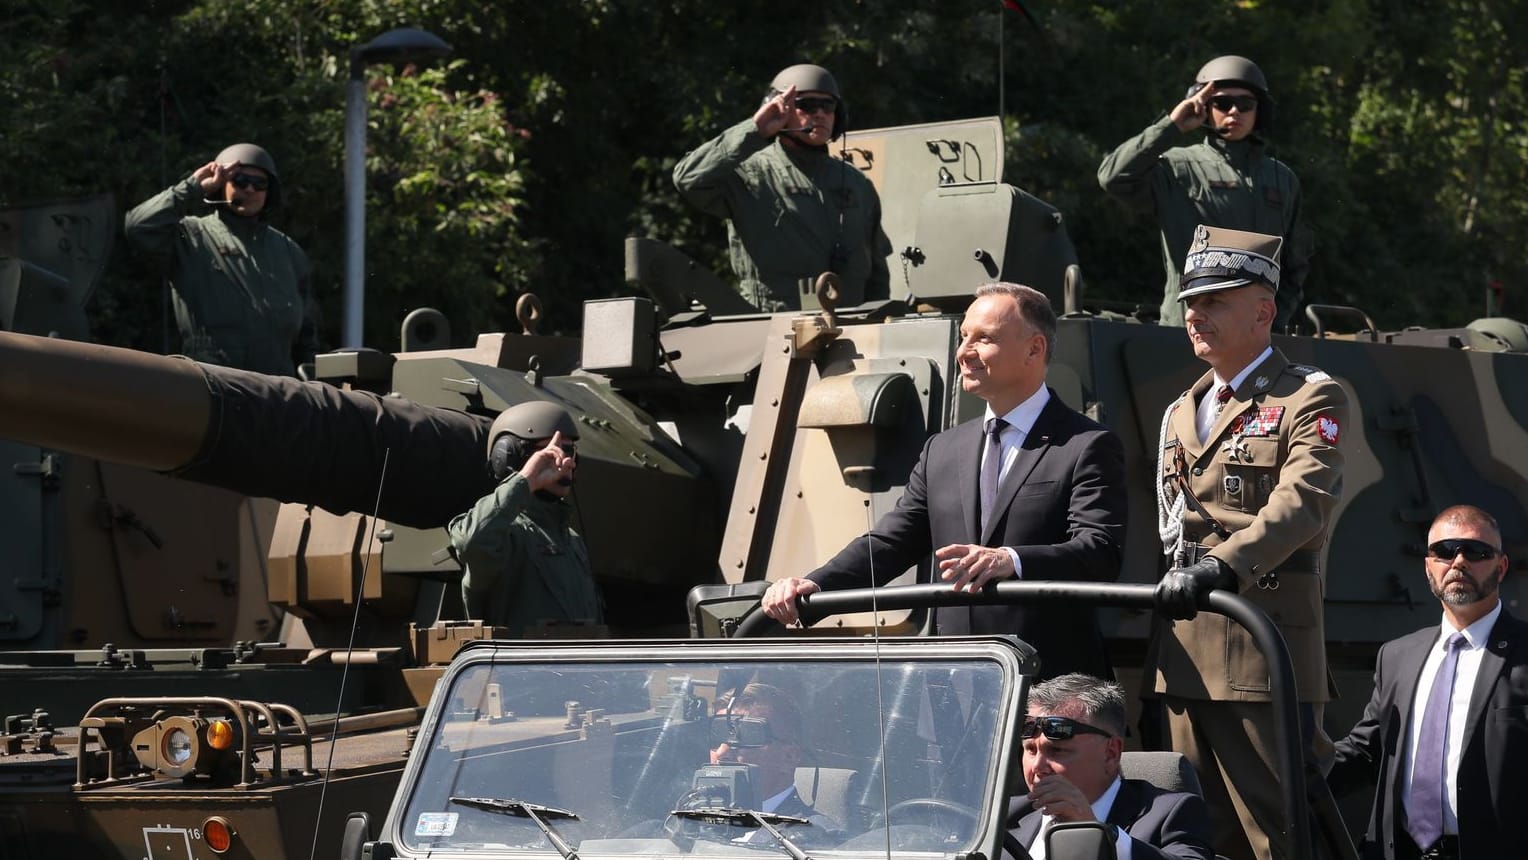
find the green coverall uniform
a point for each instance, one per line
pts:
(1216, 182)
(793, 213)
(524, 562)
(239, 286)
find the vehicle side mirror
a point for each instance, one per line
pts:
(1080, 840)
(356, 842)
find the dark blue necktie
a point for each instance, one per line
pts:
(992, 468)
(1428, 778)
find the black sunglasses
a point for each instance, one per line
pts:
(1245, 104)
(243, 181)
(1058, 728)
(737, 731)
(1474, 550)
(814, 104)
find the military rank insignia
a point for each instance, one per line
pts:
(1328, 429)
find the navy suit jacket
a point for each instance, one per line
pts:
(1161, 824)
(1061, 507)
(1493, 766)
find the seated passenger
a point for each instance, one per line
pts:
(1072, 744)
(761, 728)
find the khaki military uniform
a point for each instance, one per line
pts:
(1270, 472)
(240, 287)
(1212, 181)
(792, 214)
(525, 565)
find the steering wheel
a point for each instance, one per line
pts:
(930, 806)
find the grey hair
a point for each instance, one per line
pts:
(1034, 308)
(1102, 702)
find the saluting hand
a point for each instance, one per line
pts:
(548, 466)
(777, 114)
(1194, 111)
(213, 177)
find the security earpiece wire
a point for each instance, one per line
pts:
(355, 622)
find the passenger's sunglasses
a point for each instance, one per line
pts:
(1474, 550)
(1245, 104)
(814, 104)
(1058, 728)
(245, 181)
(737, 731)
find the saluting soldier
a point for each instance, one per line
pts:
(793, 209)
(1251, 470)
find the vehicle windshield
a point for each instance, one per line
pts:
(789, 758)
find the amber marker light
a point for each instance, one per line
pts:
(218, 833)
(220, 734)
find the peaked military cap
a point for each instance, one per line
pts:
(1223, 259)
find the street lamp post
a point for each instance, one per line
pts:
(404, 45)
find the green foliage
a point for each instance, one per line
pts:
(549, 136)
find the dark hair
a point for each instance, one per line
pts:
(784, 716)
(1103, 702)
(1034, 308)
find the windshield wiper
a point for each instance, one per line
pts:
(534, 811)
(765, 820)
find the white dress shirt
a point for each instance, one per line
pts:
(1465, 670)
(1101, 808)
(1021, 419)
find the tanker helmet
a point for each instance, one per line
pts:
(1223, 259)
(255, 156)
(806, 77)
(510, 438)
(1240, 71)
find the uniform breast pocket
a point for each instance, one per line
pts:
(1249, 471)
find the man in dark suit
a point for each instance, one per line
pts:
(1072, 745)
(1052, 482)
(1449, 781)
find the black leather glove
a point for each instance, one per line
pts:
(1180, 590)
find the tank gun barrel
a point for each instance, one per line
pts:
(247, 432)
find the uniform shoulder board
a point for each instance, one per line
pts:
(1311, 374)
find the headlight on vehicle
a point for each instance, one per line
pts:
(184, 746)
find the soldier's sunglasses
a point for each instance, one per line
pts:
(738, 731)
(1245, 104)
(814, 104)
(1473, 550)
(245, 181)
(1057, 728)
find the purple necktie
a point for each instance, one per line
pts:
(992, 468)
(1428, 779)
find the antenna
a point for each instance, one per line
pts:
(355, 621)
(880, 702)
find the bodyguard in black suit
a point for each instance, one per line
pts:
(1072, 745)
(1472, 806)
(1058, 498)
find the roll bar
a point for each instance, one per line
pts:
(1281, 673)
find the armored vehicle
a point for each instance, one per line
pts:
(718, 446)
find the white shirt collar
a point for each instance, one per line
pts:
(1237, 380)
(1478, 633)
(1023, 416)
(1105, 801)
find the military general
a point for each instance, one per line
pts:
(793, 210)
(1250, 472)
